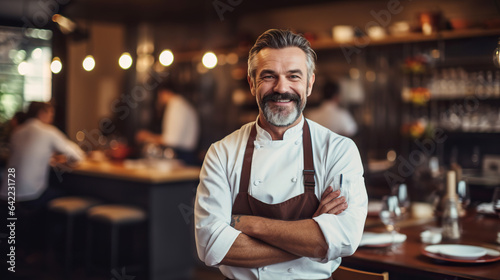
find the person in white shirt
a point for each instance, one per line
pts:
(331, 115)
(269, 203)
(180, 128)
(32, 146)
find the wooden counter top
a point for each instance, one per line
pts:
(408, 262)
(133, 171)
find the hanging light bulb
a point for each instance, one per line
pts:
(125, 60)
(88, 63)
(166, 57)
(209, 60)
(56, 65)
(22, 68)
(496, 55)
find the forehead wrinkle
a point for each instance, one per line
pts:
(282, 60)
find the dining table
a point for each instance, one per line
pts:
(409, 260)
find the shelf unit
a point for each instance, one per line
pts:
(325, 44)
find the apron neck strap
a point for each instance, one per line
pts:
(308, 172)
(247, 161)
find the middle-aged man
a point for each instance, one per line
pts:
(268, 205)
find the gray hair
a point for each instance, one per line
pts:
(279, 39)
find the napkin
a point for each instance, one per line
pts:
(485, 208)
(373, 238)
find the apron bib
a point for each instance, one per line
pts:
(299, 207)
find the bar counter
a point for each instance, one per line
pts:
(165, 193)
(124, 171)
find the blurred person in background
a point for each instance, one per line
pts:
(331, 115)
(16, 120)
(177, 124)
(32, 146)
(7, 130)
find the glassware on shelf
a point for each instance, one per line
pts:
(496, 84)
(490, 90)
(480, 85)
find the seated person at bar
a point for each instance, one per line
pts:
(331, 115)
(268, 204)
(179, 128)
(5, 135)
(32, 146)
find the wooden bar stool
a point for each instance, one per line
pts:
(72, 209)
(116, 218)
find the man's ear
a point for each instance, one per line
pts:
(311, 83)
(252, 85)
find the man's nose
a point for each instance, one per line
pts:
(282, 85)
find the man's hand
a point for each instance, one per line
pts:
(331, 203)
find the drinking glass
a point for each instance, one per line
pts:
(463, 194)
(496, 201)
(390, 215)
(401, 192)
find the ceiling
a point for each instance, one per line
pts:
(130, 11)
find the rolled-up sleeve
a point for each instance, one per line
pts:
(343, 232)
(214, 236)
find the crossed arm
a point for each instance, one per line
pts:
(266, 241)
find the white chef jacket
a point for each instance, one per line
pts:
(32, 146)
(335, 118)
(180, 125)
(277, 176)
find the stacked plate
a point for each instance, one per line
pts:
(461, 253)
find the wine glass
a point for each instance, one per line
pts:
(496, 201)
(390, 215)
(463, 194)
(401, 192)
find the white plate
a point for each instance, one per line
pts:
(459, 252)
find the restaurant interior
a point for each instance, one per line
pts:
(420, 80)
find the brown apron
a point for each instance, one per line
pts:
(296, 208)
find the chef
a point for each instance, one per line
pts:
(282, 197)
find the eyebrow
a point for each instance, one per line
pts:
(269, 71)
(266, 71)
(295, 71)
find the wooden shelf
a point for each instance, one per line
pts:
(409, 38)
(463, 97)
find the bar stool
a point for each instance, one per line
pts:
(116, 218)
(72, 209)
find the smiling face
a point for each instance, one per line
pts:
(281, 85)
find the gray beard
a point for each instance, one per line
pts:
(279, 117)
